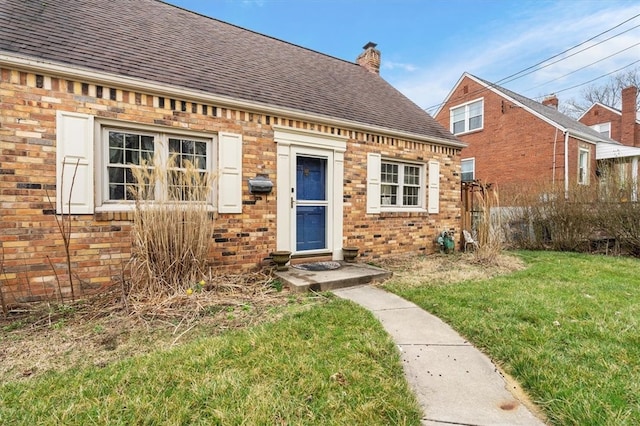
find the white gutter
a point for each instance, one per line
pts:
(102, 78)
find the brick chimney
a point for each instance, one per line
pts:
(370, 58)
(629, 96)
(551, 101)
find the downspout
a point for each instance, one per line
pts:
(566, 164)
(634, 179)
(553, 169)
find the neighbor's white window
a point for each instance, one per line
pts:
(604, 129)
(467, 117)
(468, 169)
(583, 167)
(401, 184)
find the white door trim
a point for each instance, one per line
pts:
(290, 142)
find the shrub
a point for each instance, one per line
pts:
(171, 234)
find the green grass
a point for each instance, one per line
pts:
(567, 328)
(331, 364)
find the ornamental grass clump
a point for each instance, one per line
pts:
(171, 227)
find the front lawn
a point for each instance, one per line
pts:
(567, 328)
(331, 364)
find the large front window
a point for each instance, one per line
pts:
(401, 185)
(467, 117)
(132, 156)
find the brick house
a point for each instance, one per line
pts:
(618, 161)
(516, 142)
(97, 87)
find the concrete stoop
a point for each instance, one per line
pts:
(348, 275)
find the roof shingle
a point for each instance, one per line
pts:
(158, 42)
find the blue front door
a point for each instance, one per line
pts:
(311, 203)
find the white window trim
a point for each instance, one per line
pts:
(400, 194)
(163, 134)
(598, 128)
(585, 181)
(466, 116)
(473, 169)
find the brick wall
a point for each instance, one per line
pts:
(33, 255)
(599, 114)
(514, 149)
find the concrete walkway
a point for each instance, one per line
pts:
(454, 382)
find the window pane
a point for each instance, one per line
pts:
(475, 122)
(147, 143)
(116, 140)
(201, 148)
(133, 157)
(174, 146)
(116, 156)
(458, 127)
(132, 142)
(466, 176)
(457, 114)
(475, 109)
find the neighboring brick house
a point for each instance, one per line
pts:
(619, 162)
(103, 84)
(515, 142)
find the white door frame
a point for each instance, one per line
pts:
(296, 141)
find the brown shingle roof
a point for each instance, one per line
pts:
(158, 42)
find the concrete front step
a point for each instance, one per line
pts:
(348, 275)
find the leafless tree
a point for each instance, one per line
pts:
(608, 93)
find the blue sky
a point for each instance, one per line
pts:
(426, 45)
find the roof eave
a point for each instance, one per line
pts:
(85, 74)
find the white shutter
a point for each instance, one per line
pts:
(230, 173)
(74, 163)
(434, 187)
(373, 182)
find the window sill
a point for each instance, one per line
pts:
(469, 132)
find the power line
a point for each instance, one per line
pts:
(552, 57)
(583, 67)
(573, 47)
(597, 78)
(569, 56)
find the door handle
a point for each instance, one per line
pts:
(292, 202)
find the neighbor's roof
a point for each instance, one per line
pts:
(157, 42)
(549, 114)
(612, 109)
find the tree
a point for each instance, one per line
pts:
(608, 93)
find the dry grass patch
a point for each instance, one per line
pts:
(98, 331)
(449, 268)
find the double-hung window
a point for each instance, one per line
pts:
(583, 167)
(401, 185)
(467, 117)
(131, 156)
(468, 169)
